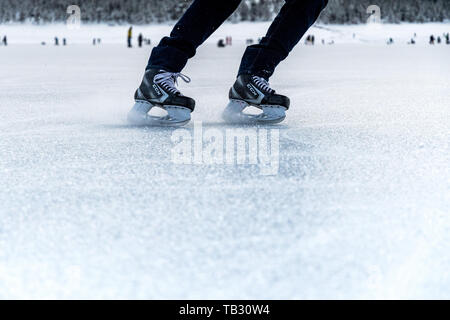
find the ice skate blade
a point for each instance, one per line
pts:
(176, 115)
(234, 113)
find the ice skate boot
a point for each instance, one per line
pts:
(255, 91)
(158, 90)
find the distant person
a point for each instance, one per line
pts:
(432, 39)
(251, 86)
(439, 40)
(390, 41)
(229, 41)
(99, 40)
(56, 41)
(221, 43)
(5, 40)
(308, 40)
(313, 39)
(130, 37)
(64, 42)
(412, 41)
(94, 42)
(447, 38)
(140, 40)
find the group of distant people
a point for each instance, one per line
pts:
(222, 43)
(64, 41)
(250, 41)
(95, 41)
(141, 40)
(56, 42)
(433, 40)
(438, 39)
(228, 41)
(310, 40)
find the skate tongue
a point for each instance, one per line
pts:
(263, 84)
(168, 80)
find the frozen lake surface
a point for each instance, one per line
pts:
(359, 207)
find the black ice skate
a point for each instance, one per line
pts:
(158, 90)
(255, 91)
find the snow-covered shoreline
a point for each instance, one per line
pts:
(375, 33)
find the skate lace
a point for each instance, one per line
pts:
(168, 80)
(263, 84)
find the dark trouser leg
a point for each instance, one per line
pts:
(294, 19)
(201, 19)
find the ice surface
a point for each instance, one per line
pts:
(93, 208)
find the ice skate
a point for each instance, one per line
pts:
(158, 90)
(255, 91)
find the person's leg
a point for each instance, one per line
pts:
(294, 19)
(201, 19)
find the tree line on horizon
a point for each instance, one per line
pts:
(161, 11)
